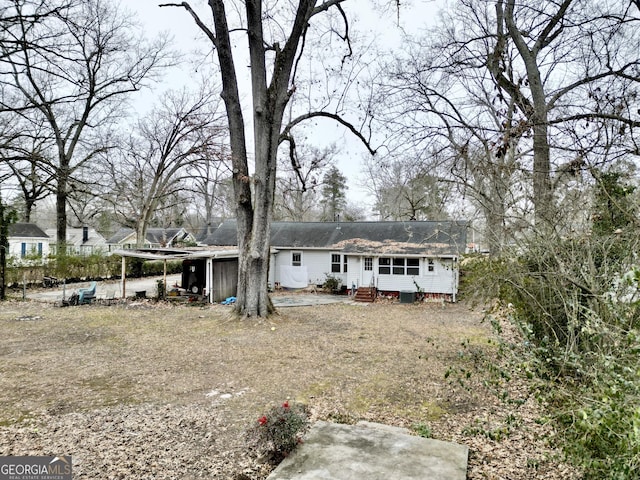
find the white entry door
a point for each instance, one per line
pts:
(367, 272)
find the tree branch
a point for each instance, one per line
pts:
(285, 133)
(207, 31)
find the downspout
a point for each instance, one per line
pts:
(208, 284)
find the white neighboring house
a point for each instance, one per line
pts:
(390, 257)
(82, 241)
(27, 243)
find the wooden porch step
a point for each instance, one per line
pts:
(365, 294)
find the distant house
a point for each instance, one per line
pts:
(203, 232)
(125, 238)
(27, 242)
(385, 256)
(80, 241)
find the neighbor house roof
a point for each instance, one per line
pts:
(155, 236)
(75, 236)
(26, 230)
(435, 237)
(120, 235)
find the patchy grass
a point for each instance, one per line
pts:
(164, 363)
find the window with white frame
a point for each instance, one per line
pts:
(413, 266)
(296, 259)
(431, 265)
(368, 264)
(336, 263)
(398, 266)
(30, 249)
(384, 266)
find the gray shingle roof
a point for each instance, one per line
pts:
(438, 237)
(155, 236)
(119, 236)
(162, 236)
(26, 230)
(75, 236)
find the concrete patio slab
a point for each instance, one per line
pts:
(373, 452)
(305, 300)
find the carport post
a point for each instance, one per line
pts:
(124, 276)
(165, 276)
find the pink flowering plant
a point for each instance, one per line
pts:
(278, 432)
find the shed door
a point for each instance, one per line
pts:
(225, 279)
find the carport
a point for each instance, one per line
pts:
(217, 272)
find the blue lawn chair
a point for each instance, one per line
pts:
(87, 295)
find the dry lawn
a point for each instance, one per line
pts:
(156, 391)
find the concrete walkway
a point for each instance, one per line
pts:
(371, 451)
(295, 299)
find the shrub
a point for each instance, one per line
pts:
(576, 303)
(278, 432)
(331, 284)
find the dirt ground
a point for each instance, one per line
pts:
(159, 391)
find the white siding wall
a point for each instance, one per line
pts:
(318, 263)
(442, 280)
(15, 246)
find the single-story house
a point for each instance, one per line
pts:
(155, 238)
(393, 257)
(80, 241)
(27, 241)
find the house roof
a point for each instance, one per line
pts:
(75, 236)
(161, 236)
(431, 237)
(202, 233)
(119, 236)
(155, 236)
(28, 230)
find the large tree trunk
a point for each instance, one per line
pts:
(269, 101)
(61, 211)
(542, 193)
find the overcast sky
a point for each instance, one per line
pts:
(383, 25)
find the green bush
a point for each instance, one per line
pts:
(82, 268)
(576, 304)
(89, 267)
(331, 283)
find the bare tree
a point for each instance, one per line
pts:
(73, 69)
(578, 61)
(168, 148)
(275, 45)
(24, 154)
(449, 123)
(405, 190)
(210, 191)
(7, 217)
(485, 105)
(299, 183)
